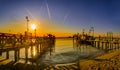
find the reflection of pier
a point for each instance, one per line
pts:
(14, 42)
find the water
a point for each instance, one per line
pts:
(67, 52)
(64, 52)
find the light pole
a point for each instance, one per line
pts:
(27, 23)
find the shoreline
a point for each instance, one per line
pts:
(106, 61)
(99, 60)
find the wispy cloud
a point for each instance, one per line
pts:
(48, 10)
(29, 12)
(66, 17)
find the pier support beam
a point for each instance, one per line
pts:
(26, 54)
(98, 44)
(7, 55)
(16, 55)
(37, 46)
(102, 45)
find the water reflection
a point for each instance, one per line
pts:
(66, 52)
(34, 51)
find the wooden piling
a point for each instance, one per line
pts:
(7, 54)
(98, 44)
(102, 45)
(95, 43)
(16, 55)
(118, 45)
(26, 54)
(37, 46)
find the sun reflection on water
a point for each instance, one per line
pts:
(34, 51)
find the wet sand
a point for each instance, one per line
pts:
(107, 61)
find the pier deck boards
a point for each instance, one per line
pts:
(4, 61)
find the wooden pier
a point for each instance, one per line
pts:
(106, 44)
(103, 43)
(14, 42)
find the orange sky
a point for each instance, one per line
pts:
(43, 27)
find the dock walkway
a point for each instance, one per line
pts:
(6, 64)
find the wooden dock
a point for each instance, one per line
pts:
(13, 42)
(6, 64)
(103, 43)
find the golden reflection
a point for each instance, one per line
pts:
(34, 51)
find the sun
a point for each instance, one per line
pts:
(33, 26)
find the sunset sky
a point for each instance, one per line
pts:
(60, 17)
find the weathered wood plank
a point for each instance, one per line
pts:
(5, 62)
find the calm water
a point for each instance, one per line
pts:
(64, 52)
(67, 52)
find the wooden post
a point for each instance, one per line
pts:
(115, 46)
(110, 46)
(98, 44)
(18, 54)
(26, 54)
(50, 50)
(15, 55)
(105, 46)
(0, 52)
(7, 55)
(37, 48)
(118, 45)
(40, 48)
(73, 40)
(102, 45)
